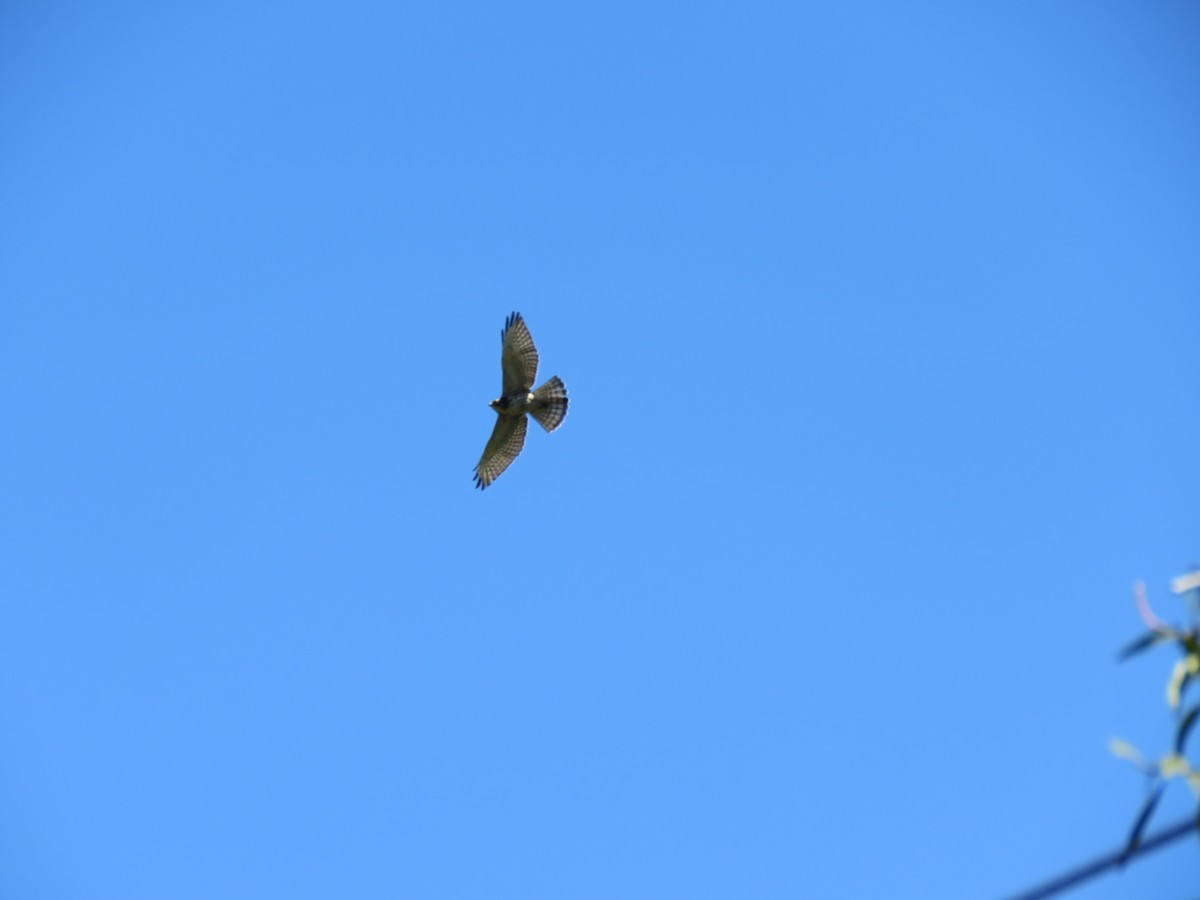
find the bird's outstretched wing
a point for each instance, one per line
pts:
(508, 437)
(518, 356)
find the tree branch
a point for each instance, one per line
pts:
(1112, 860)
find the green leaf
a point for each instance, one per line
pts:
(1179, 679)
(1145, 642)
(1143, 819)
(1185, 725)
(1174, 766)
(1126, 750)
(1187, 582)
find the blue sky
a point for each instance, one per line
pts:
(879, 325)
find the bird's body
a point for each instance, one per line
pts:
(547, 404)
(516, 405)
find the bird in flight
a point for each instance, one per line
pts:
(548, 404)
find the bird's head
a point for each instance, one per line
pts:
(501, 404)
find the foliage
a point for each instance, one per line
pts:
(1174, 765)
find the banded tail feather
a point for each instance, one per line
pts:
(550, 404)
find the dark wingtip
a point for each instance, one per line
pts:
(513, 318)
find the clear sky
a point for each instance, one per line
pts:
(880, 326)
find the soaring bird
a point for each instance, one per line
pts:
(548, 404)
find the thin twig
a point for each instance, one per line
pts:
(1112, 860)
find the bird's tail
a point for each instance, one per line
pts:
(550, 404)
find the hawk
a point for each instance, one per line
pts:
(548, 404)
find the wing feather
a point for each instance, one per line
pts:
(508, 437)
(518, 356)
